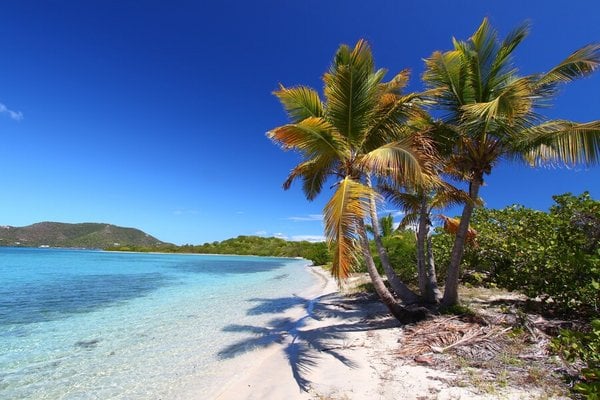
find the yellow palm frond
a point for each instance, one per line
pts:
(397, 83)
(348, 205)
(312, 136)
(402, 160)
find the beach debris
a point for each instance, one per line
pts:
(424, 360)
(440, 335)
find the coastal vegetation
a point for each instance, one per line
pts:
(365, 129)
(318, 252)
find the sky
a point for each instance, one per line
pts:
(153, 114)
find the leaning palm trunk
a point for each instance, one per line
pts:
(451, 290)
(382, 291)
(401, 290)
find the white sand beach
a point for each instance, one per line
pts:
(346, 348)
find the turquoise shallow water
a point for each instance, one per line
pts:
(98, 325)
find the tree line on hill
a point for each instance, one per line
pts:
(318, 252)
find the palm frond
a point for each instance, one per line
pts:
(351, 89)
(514, 101)
(445, 75)
(447, 195)
(579, 64)
(348, 205)
(409, 201)
(399, 159)
(312, 136)
(390, 119)
(564, 142)
(501, 69)
(314, 173)
(479, 53)
(397, 83)
(300, 102)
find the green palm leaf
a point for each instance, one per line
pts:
(300, 102)
(579, 64)
(314, 173)
(351, 89)
(563, 141)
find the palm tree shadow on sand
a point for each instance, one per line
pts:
(302, 346)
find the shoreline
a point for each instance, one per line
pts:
(347, 347)
(283, 386)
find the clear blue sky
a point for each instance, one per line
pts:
(155, 116)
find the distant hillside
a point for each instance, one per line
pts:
(87, 235)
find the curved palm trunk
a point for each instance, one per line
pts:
(433, 293)
(382, 291)
(401, 290)
(451, 289)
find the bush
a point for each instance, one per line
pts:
(552, 255)
(585, 346)
(402, 251)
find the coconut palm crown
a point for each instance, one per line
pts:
(495, 114)
(355, 130)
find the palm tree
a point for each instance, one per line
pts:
(385, 226)
(495, 114)
(354, 132)
(418, 204)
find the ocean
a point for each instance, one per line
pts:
(99, 325)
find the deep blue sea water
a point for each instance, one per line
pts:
(99, 325)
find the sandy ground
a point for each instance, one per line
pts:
(341, 347)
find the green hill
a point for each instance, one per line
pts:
(86, 235)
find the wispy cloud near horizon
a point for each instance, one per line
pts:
(309, 217)
(308, 238)
(14, 115)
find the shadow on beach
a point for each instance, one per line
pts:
(303, 344)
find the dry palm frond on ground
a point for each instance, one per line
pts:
(441, 334)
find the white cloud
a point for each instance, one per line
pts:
(308, 238)
(310, 217)
(185, 212)
(395, 213)
(16, 115)
(260, 233)
(280, 235)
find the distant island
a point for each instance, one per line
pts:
(116, 238)
(85, 235)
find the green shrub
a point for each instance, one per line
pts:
(402, 251)
(552, 255)
(585, 346)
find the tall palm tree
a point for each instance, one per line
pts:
(355, 131)
(495, 114)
